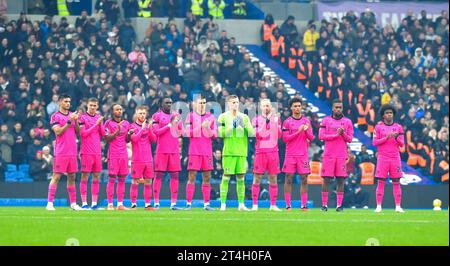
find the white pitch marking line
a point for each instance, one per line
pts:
(230, 219)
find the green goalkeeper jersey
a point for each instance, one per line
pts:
(235, 132)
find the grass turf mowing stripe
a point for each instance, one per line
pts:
(35, 226)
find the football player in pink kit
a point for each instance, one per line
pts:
(91, 132)
(142, 159)
(168, 128)
(297, 134)
(267, 159)
(201, 129)
(117, 131)
(336, 130)
(389, 138)
(65, 161)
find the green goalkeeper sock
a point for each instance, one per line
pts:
(224, 189)
(240, 188)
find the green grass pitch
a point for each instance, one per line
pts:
(35, 226)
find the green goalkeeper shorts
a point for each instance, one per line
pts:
(234, 165)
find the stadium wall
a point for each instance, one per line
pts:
(414, 197)
(281, 10)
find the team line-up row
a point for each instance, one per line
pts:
(166, 127)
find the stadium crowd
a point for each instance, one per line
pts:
(40, 60)
(366, 65)
(219, 9)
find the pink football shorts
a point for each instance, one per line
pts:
(334, 167)
(269, 162)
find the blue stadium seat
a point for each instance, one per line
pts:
(11, 168)
(19, 175)
(296, 179)
(249, 178)
(24, 168)
(199, 178)
(14, 176)
(10, 177)
(128, 179)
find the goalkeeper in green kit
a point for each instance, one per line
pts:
(234, 128)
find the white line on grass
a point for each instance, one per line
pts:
(266, 219)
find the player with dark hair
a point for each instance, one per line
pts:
(297, 134)
(168, 128)
(65, 151)
(201, 129)
(389, 138)
(336, 130)
(117, 131)
(91, 132)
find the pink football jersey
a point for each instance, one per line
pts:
(167, 137)
(91, 134)
(335, 144)
(297, 143)
(199, 137)
(118, 146)
(388, 147)
(267, 132)
(66, 143)
(141, 143)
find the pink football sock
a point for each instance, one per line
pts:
(95, 187)
(157, 186)
(287, 198)
(110, 189)
(51, 192)
(174, 187)
(324, 198)
(134, 193)
(380, 191)
(120, 190)
(83, 190)
(304, 199)
(339, 198)
(273, 194)
(72, 190)
(206, 190)
(397, 194)
(147, 193)
(190, 190)
(255, 193)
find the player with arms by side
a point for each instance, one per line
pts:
(117, 131)
(91, 132)
(268, 131)
(235, 128)
(297, 134)
(389, 138)
(168, 128)
(201, 129)
(65, 151)
(142, 158)
(336, 130)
